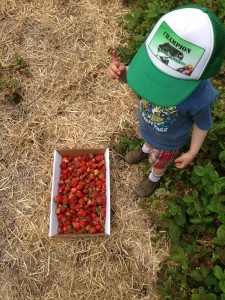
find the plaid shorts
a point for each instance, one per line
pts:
(158, 159)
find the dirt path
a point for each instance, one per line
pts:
(68, 102)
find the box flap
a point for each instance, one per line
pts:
(107, 221)
(53, 229)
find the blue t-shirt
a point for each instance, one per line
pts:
(167, 128)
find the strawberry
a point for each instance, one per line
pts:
(86, 206)
(80, 187)
(102, 229)
(83, 223)
(68, 214)
(98, 227)
(65, 200)
(88, 228)
(85, 191)
(101, 201)
(93, 215)
(58, 199)
(89, 202)
(96, 172)
(79, 158)
(58, 211)
(65, 160)
(80, 212)
(92, 184)
(63, 165)
(99, 157)
(74, 183)
(92, 230)
(103, 170)
(93, 209)
(76, 227)
(62, 177)
(101, 177)
(64, 172)
(67, 188)
(71, 197)
(73, 190)
(67, 223)
(61, 189)
(78, 206)
(98, 183)
(79, 194)
(92, 176)
(60, 230)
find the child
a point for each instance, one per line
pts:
(171, 73)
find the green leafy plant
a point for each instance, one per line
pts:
(11, 78)
(191, 220)
(125, 141)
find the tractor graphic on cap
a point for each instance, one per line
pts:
(167, 52)
(166, 48)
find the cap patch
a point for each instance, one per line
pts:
(173, 51)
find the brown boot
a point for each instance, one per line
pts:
(135, 156)
(146, 187)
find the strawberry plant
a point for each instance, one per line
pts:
(11, 77)
(195, 223)
(214, 146)
(125, 141)
(81, 198)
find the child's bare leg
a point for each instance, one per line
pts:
(158, 171)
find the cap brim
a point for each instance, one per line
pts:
(155, 86)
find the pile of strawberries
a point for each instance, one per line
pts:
(81, 198)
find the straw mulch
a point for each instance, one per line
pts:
(68, 102)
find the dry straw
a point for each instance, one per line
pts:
(68, 102)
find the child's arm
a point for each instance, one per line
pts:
(117, 70)
(197, 139)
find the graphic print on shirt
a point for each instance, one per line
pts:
(161, 118)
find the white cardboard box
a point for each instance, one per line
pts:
(58, 154)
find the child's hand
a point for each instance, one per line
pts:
(116, 69)
(184, 160)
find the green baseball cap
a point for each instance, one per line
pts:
(186, 46)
